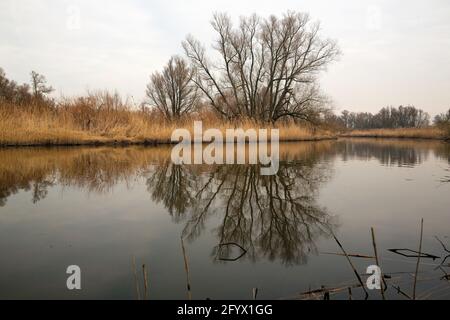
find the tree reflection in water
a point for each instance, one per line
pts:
(275, 217)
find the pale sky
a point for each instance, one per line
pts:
(394, 51)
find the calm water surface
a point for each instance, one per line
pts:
(100, 207)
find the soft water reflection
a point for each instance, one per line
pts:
(392, 152)
(272, 216)
(281, 218)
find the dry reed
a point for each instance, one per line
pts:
(418, 260)
(103, 118)
(377, 261)
(412, 133)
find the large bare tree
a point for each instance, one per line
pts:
(172, 91)
(268, 67)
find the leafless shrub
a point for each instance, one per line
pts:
(172, 92)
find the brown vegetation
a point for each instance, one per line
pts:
(412, 133)
(266, 77)
(442, 121)
(103, 118)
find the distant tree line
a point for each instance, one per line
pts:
(443, 118)
(443, 121)
(388, 117)
(25, 94)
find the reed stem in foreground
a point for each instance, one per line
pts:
(418, 260)
(378, 262)
(351, 265)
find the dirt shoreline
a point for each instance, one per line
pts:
(153, 142)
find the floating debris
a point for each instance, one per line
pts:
(349, 254)
(243, 251)
(415, 254)
(445, 249)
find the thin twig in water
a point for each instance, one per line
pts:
(351, 264)
(144, 271)
(442, 244)
(445, 249)
(138, 292)
(418, 260)
(243, 251)
(378, 262)
(446, 276)
(400, 291)
(350, 255)
(186, 269)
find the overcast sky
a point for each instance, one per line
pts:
(394, 51)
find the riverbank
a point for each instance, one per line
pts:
(66, 127)
(406, 133)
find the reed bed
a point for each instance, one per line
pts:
(106, 119)
(395, 283)
(412, 133)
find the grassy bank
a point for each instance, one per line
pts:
(97, 122)
(410, 133)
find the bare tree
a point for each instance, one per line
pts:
(268, 67)
(12, 92)
(172, 92)
(39, 85)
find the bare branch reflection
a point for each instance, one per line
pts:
(275, 217)
(272, 217)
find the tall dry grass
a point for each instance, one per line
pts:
(102, 118)
(413, 133)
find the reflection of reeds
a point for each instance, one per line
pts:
(186, 269)
(98, 169)
(144, 273)
(398, 152)
(93, 169)
(136, 281)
